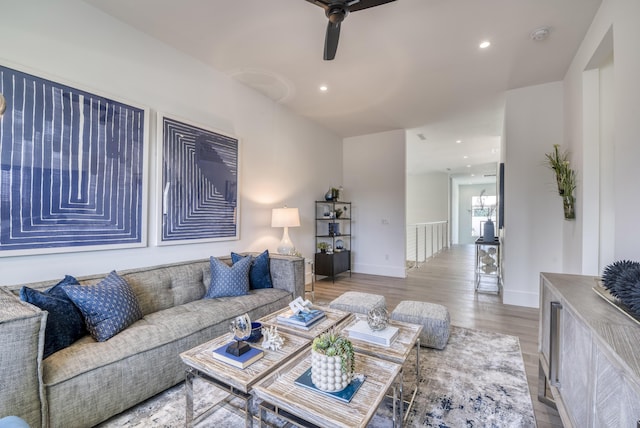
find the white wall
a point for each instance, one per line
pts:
(533, 244)
(374, 181)
(284, 159)
(622, 16)
(534, 216)
(427, 197)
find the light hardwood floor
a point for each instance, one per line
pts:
(448, 279)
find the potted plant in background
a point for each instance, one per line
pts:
(565, 179)
(322, 246)
(332, 362)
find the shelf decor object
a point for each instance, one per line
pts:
(285, 217)
(333, 238)
(74, 168)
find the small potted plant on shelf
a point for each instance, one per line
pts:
(322, 246)
(332, 362)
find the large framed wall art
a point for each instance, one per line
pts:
(198, 176)
(73, 173)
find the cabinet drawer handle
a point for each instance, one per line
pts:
(554, 344)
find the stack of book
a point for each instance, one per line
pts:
(303, 320)
(361, 330)
(241, 361)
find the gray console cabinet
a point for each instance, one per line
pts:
(589, 355)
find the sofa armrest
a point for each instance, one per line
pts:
(287, 273)
(21, 345)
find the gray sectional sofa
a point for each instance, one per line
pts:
(88, 382)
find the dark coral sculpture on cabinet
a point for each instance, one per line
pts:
(612, 272)
(622, 279)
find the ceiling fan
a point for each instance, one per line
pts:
(337, 11)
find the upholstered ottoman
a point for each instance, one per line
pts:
(434, 319)
(354, 301)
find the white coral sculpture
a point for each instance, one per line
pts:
(272, 340)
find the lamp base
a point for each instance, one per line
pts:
(286, 246)
(238, 348)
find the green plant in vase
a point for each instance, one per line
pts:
(332, 361)
(565, 179)
(322, 246)
(559, 163)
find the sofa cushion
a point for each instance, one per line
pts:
(259, 273)
(107, 307)
(65, 324)
(228, 281)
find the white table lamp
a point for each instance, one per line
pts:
(285, 217)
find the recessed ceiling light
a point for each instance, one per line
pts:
(468, 166)
(485, 44)
(465, 157)
(458, 141)
(324, 88)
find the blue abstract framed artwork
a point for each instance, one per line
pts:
(72, 169)
(199, 182)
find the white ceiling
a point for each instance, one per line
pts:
(409, 64)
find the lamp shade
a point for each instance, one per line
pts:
(285, 217)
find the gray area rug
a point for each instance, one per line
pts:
(478, 380)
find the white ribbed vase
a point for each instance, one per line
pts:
(326, 373)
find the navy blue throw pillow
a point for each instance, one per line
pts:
(259, 273)
(228, 281)
(108, 307)
(65, 324)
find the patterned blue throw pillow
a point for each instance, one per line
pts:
(108, 307)
(227, 281)
(259, 273)
(65, 324)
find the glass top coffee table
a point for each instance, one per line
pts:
(238, 382)
(302, 406)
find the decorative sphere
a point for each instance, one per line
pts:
(378, 318)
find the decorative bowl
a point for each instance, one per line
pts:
(256, 332)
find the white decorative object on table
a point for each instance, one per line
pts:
(299, 305)
(272, 340)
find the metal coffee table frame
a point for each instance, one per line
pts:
(237, 382)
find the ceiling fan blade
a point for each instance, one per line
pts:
(331, 40)
(366, 4)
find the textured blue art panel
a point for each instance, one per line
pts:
(199, 182)
(71, 168)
